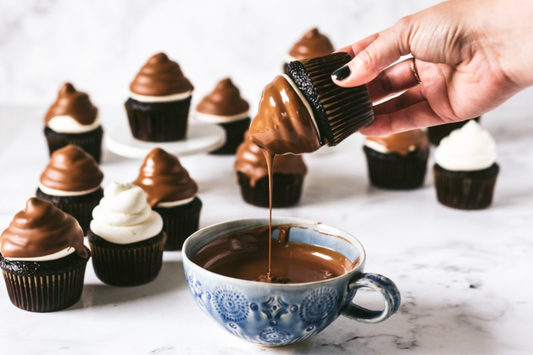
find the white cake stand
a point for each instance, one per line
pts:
(201, 138)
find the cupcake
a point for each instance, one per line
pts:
(397, 161)
(252, 176)
(160, 97)
(172, 194)
(73, 119)
(71, 181)
(126, 237)
(312, 44)
(225, 106)
(436, 133)
(465, 168)
(43, 258)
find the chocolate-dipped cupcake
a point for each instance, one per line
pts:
(437, 133)
(43, 258)
(73, 119)
(334, 112)
(465, 168)
(160, 97)
(225, 106)
(397, 161)
(172, 193)
(252, 176)
(312, 44)
(126, 237)
(71, 181)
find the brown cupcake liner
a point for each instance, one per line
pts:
(234, 136)
(129, 264)
(79, 207)
(466, 190)
(91, 141)
(287, 190)
(394, 171)
(158, 121)
(338, 111)
(437, 133)
(180, 222)
(47, 289)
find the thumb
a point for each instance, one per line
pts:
(387, 47)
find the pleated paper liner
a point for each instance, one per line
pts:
(128, 264)
(287, 190)
(437, 133)
(44, 286)
(180, 222)
(338, 111)
(394, 171)
(234, 136)
(79, 207)
(466, 190)
(158, 121)
(91, 141)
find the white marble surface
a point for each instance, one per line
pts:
(464, 275)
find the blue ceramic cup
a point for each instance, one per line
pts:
(282, 314)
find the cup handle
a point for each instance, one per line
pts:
(378, 283)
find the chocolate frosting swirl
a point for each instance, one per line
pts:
(163, 179)
(71, 169)
(224, 100)
(251, 161)
(41, 229)
(403, 143)
(73, 103)
(283, 123)
(160, 76)
(312, 44)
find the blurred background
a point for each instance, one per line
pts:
(100, 45)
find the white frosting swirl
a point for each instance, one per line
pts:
(166, 98)
(67, 124)
(466, 149)
(54, 256)
(124, 215)
(204, 117)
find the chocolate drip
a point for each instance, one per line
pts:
(224, 100)
(71, 169)
(312, 44)
(41, 229)
(163, 179)
(73, 103)
(160, 76)
(403, 143)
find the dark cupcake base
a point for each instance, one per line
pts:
(338, 112)
(158, 121)
(437, 133)
(127, 264)
(234, 136)
(91, 141)
(396, 172)
(180, 222)
(287, 190)
(79, 207)
(44, 286)
(465, 190)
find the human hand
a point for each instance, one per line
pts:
(471, 56)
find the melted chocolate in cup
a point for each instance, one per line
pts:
(245, 254)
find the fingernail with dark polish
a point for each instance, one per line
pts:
(341, 73)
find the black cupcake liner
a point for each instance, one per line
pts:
(158, 121)
(338, 111)
(91, 141)
(437, 133)
(234, 136)
(180, 222)
(465, 190)
(394, 171)
(44, 286)
(79, 207)
(287, 190)
(127, 264)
